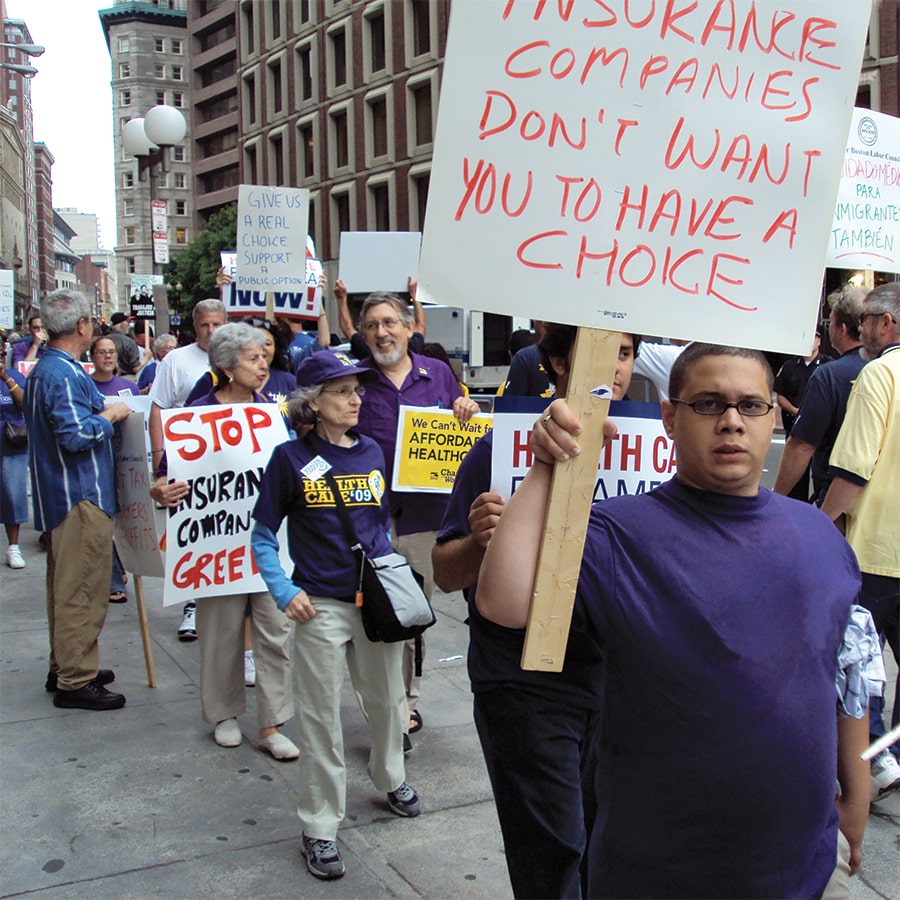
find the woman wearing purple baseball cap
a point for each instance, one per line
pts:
(319, 597)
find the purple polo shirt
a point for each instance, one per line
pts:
(430, 382)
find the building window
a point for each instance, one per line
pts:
(180, 180)
(276, 98)
(128, 207)
(177, 73)
(160, 98)
(379, 206)
(179, 154)
(276, 159)
(248, 28)
(180, 208)
(249, 100)
(377, 125)
(176, 46)
(375, 31)
(421, 112)
(340, 138)
(129, 234)
(162, 180)
(340, 207)
(124, 45)
(130, 267)
(125, 70)
(273, 19)
(128, 179)
(125, 98)
(421, 27)
(250, 165)
(158, 45)
(337, 42)
(304, 72)
(178, 99)
(418, 198)
(159, 71)
(307, 146)
(181, 235)
(303, 14)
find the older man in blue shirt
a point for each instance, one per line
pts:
(74, 497)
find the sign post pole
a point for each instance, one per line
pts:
(571, 491)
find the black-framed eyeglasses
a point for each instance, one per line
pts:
(864, 316)
(715, 406)
(345, 392)
(103, 353)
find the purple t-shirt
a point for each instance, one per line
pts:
(324, 565)
(429, 383)
(720, 619)
(495, 652)
(115, 386)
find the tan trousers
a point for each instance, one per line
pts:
(79, 560)
(838, 887)
(332, 640)
(220, 626)
(417, 550)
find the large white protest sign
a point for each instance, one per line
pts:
(661, 168)
(378, 260)
(7, 299)
(271, 238)
(221, 451)
(305, 304)
(639, 458)
(866, 229)
(135, 531)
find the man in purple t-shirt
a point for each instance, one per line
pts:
(719, 643)
(406, 379)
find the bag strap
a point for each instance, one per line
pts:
(349, 531)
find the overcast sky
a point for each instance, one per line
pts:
(72, 103)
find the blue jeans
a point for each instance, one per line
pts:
(880, 595)
(539, 755)
(117, 581)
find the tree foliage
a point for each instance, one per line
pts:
(195, 267)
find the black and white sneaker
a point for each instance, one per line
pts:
(323, 859)
(404, 801)
(187, 630)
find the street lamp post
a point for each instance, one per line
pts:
(25, 50)
(149, 140)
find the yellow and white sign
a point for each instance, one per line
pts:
(431, 443)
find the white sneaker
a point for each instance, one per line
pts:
(14, 558)
(187, 630)
(249, 669)
(885, 775)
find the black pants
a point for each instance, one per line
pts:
(539, 755)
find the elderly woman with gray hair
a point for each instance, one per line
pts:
(300, 484)
(237, 357)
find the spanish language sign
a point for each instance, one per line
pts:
(866, 229)
(662, 168)
(7, 299)
(271, 238)
(135, 524)
(142, 306)
(305, 304)
(431, 443)
(639, 458)
(221, 451)
(379, 260)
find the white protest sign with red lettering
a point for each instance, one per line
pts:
(221, 451)
(663, 168)
(639, 458)
(866, 229)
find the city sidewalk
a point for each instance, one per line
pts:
(141, 802)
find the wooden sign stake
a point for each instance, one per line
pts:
(145, 629)
(571, 493)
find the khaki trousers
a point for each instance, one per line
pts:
(79, 560)
(220, 626)
(417, 550)
(332, 640)
(838, 887)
